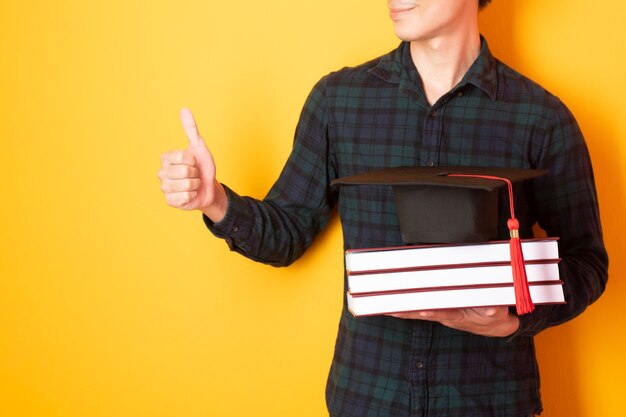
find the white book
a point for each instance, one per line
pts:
(398, 258)
(377, 304)
(428, 277)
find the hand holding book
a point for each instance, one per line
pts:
(483, 321)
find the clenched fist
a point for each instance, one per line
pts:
(188, 176)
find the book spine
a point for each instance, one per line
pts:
(541, 270)
(450, 288)
(447, 266)
(432, 256)
(378, 304)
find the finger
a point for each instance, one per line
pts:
(178, 157)
(416, 315)
(180, 199)
(178, 172)
(441, 315)
(189, 125)
(177, 186)
(486, 311)
(427, 314)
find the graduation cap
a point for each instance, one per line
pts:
(454, 205)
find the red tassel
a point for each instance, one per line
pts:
(523, 302)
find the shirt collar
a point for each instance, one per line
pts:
(398, 67)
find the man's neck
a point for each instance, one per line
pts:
(442, 62)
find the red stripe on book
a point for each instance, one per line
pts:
(443, 245)
(450, 287)
(450, 266)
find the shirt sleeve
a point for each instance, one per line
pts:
(566, 206)
(278, 229)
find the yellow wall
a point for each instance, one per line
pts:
(112, 304)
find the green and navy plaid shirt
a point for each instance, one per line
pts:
(376, 116)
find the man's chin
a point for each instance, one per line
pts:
(406, 35)
(406, 32)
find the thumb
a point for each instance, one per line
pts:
(191, 130)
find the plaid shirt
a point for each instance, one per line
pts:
(376, 116)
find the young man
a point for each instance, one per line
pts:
(439, 99)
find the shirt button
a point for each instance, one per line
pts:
(236, 229)
(419, 365)
(430, 163)
(434, 114)
(459, 94)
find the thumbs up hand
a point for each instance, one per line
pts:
(188, 176)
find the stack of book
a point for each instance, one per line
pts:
(428, 277)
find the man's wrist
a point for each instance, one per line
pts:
(217, 209)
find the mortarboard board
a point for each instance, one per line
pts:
(454, 205)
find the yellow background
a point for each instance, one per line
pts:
(113, 304)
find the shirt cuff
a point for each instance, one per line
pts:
(237, 223)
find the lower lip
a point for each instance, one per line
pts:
(395, 14)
